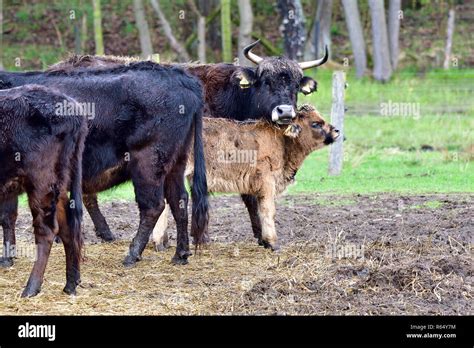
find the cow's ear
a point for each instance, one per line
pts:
(243, 77)
(308, 85)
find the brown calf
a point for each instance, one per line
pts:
(41, 154)
(260, 159)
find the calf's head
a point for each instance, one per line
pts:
(310, 130)
(276, 82)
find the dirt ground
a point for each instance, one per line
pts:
(341, 255)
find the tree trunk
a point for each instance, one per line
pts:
(449, 39)
(245, 29)
(77, 37)
(214, 34)
(201, 30)
(177, 46)
(381, 57)
(292, 28)
(320, 34)
(356, 36)
(393, 30)
(143, 31)
(98, 37)
(84, 31)
(226, 31)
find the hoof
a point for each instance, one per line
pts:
(273, 246)
(58, 240)
(159, 247)
(176, 260)
(30, 292)
(181, 258)
(70, 289)
(105, 235)
(6, 262)
(130, 261)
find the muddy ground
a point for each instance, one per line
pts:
(379, 254)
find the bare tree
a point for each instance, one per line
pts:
(143, 31)
(394, 7)
(356, 36)
(449, 39)
(320, 34)
(175, 44)
(226, 31)
(245, 29)
(292, 28)
(99, 39)
(84, 31)
(382, 67)
(201, 30)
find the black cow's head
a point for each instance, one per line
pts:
(276, 82)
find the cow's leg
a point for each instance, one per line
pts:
(45, 228)
(266, 211)
(177, 198)
(251, 203)
(150, 199)
(160, 236)
(73, 276)
(102, 229)
(8, 216)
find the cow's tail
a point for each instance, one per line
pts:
(74, 208)
(199, 194)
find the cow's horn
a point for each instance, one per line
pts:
(252, 56)
(317, 62)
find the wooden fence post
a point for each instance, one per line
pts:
(336, 155)
(449, 40)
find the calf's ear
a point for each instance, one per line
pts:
(308, 85)
(243, 77)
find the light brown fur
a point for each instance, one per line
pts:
(257, 158)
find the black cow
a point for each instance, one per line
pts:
(146, 116)
(41, 153)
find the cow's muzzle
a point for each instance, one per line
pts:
(283, 114)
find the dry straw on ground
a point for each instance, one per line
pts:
(242, 278)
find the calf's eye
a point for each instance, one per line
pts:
(315, 125)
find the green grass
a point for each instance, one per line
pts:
(435, 92)
(428, 205)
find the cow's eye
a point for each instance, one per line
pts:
(316, 125)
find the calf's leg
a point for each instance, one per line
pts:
(160, 236)
(102, 229)
(177, 197)
(73, 276)
(45, 228)
(266, 212)
(8, 216)
(251, 203)
(150, 199)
